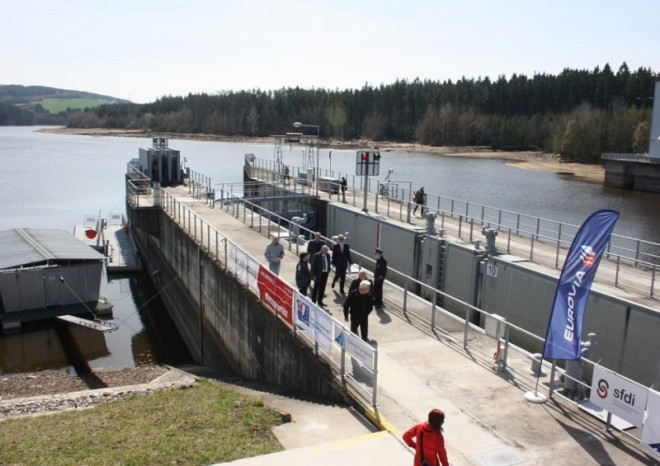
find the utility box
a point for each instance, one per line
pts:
(494, 326)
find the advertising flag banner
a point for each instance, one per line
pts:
(564, 331)
(618, 395)
(276, 294)
(651, 431)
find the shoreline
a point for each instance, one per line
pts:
(524, 160)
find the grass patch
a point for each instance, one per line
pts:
(200, 425)
(62, 105)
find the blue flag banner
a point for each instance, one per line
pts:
(564, 334)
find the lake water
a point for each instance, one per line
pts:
(53, 181)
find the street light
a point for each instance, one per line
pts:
(298, 124)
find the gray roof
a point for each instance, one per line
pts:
(27, 246)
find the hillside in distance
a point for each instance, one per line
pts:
(41, 105)
(26, 96)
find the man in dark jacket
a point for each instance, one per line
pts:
(314, 246)
(355, 284)
(341, 259)
(379, 278)
(303, 275)
(358, 305)
(320, 271)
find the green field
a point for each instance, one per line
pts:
(200, 425)
(61, 105)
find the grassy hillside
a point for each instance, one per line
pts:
(62, 105)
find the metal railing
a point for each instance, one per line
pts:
(221, 249)
(549, 240)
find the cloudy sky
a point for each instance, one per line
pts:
(144, 49)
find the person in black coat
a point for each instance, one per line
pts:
(341, 259)
(303, 274)
(379, 278)
(314, 246)
(359, 305)
(320, 271)
(355, 284)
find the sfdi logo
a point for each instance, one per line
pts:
(618, 395)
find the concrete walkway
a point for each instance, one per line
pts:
(488, 421)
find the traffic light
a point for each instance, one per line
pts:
(376, 156)
(364, 156)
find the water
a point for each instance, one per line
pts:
(53, 181)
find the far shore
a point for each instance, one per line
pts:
(525, 160)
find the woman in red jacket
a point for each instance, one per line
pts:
(429, 444)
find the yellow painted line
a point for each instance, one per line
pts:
(348, 442)
(379, 420)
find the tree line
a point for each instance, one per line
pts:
(578, 113)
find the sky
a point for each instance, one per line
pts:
(141, 50)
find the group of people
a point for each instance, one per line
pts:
(363, 296)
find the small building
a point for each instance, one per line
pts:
(46, 273)
(638, 172)
(161, 164)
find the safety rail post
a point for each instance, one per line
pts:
(507, 336)
(652, 280)
(508, 243)
(558, 247)
(637, 253)
(553, 371)
(518, 224)
(342, 364)
(531, 248)
(618, 266)
(405, 296)
(433, 308)
(460, 225)
(224, 240)
(374, 392)
(538, 227)
(466, 327)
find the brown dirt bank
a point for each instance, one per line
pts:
(526, 160)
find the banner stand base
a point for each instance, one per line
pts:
(535, 397)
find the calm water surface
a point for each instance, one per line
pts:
(52, 181)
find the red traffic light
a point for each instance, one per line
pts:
(365, 156)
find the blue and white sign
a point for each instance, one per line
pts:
(618, 395)
(651, 430)
(564, 333)
(313, 321)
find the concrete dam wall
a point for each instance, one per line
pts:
(221, 321)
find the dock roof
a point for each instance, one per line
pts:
(24, 247)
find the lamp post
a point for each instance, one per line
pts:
(298, 124)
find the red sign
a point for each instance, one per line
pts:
(275, 293)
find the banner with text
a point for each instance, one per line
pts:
(651, 431)
(313, 321)
(618, 395)
(355, 347)
(564, 332)
(242, 264)
(276, 294)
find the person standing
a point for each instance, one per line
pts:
(343, 186)
(379, 278)
(274, 254)
(420, 199)
(359, 305)
(355, 284)
(341, 259)
(320, 271)
(427, 440)
(303, 274)
(314, 245)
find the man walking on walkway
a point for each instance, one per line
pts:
(274, 254)
(341, 259)
(320, 271)
(379, 278)
(420, 199)
(359, 305)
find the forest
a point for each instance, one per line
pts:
(577, 114)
